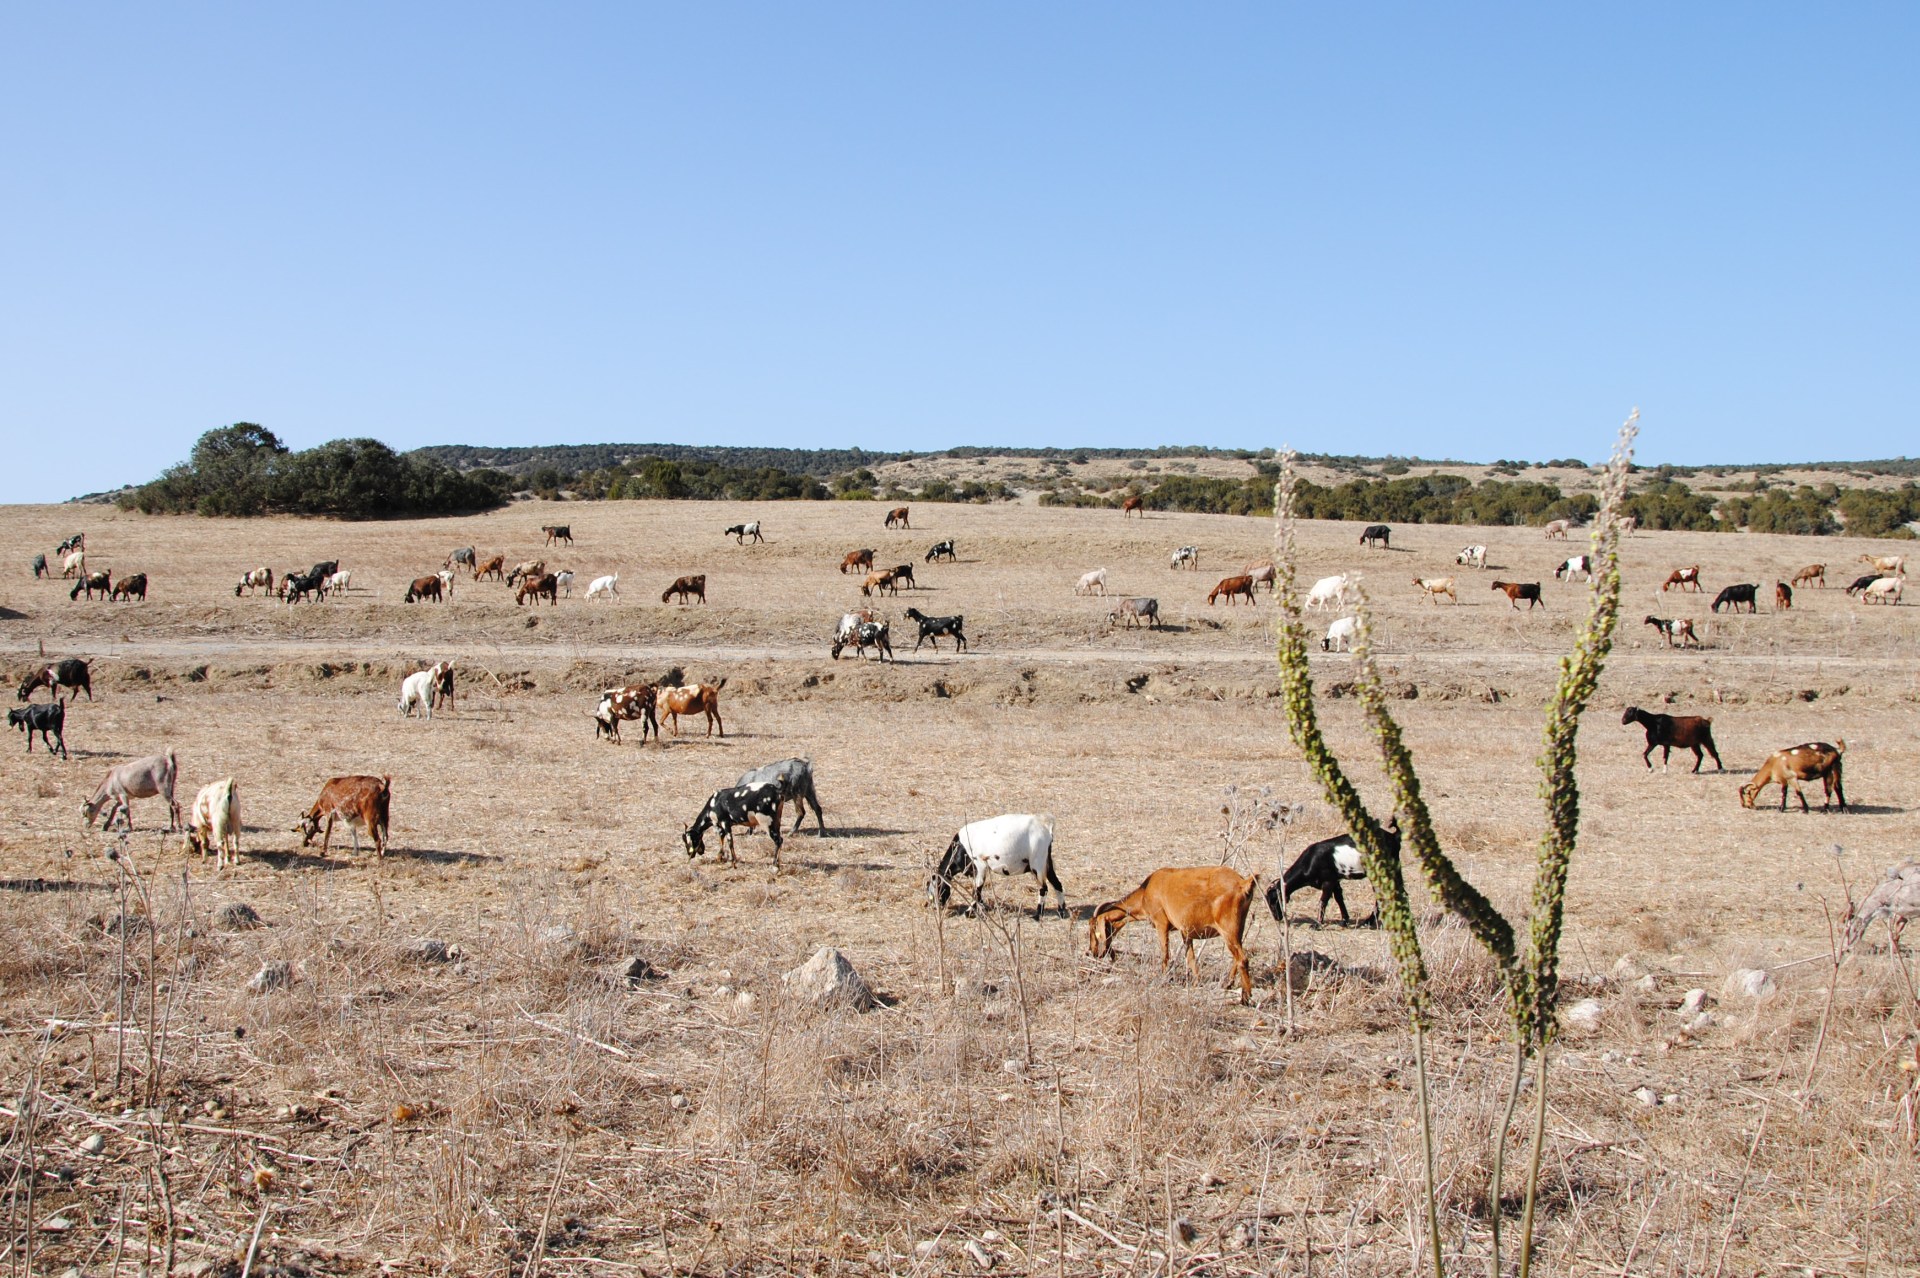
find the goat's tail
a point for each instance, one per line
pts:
(1839, 745)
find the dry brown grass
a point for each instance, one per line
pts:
(423, 1113)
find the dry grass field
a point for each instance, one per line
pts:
(515, 1103)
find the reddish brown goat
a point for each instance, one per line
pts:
(694, 586)
(1518, 590)
(1816, 573)
(1665, 731)
(495, 568)
(692, 698)
(857, 560)
(362, 802)
(1232, 588)
(425, 588)
(1197, 901)
(1682, 578)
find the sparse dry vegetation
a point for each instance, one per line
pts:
(597, 1068)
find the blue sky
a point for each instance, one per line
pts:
(1475, 232)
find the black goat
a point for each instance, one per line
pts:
(50, 721)
(1665, 731)
(1377, 536)
(297, 587)
(39, 566)
(1861, 583)
(931, 628)
(1322, 865)
(76, 542)
(1734, 596)
(69, 673)
(735, 806)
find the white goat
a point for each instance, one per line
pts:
(1097, 579)
(1340, 635)
(607, 585)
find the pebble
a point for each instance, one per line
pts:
(1646, 1096)
(926, 1247)
(1695, 1000)
(979, 1254)
(93, 1144)
(678, 1102)
(1585, 1014)
(1751, 982)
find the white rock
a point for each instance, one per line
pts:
(1751, 982)
(979, 1254)
(1695, 1000)
(1646, 984)
(93, 1144)
(827, 979)
(1584, 1015)
(271, 976)
(1627, 968)
(1646, 1096)
(990, 1236)
(926, 1247)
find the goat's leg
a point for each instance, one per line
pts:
(1340, 899)
(1647, 758)
(1708, 743)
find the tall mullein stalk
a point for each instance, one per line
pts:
(1536, 997)
(1531, 980)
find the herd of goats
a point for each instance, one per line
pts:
(1194, 902)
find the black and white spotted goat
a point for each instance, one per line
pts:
(942, 550)
(1322, 865)
(737, 805)
(1013, 844)
(931, 628)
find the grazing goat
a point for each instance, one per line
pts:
(857, 560)
(363, 802)
(324, 569)
(881, 580)
(693, 698)
(1232, 588)
(1197, 902)
(425, 588)
(50, 721)
(942, 550)
(1556, 528)
(1322, 865)
(1677, 630)
(1861, 583)
(257, 579)
(1629, 525)
(446, 576)
(1133, 506)
(557, 533)
(1816, 573)
(74, 565)
(897, 518)
(868, 634)
(529, 568)
(793, 778)
(130, 588)
(1895, 898)
(849, 623)
(39, 565)
(732, 807)
(542, 584)
(70, 673)
(1434, 587)
(1329, 592)
(1890, 565)
(1886, 590)
(151, 777)
(493, 568)
(740, 532)
(76, 542)
(903, 572)
(1090, 582)
(1681, 578)
(1582, 564)
(931, 628)
(1665, 731)
(694, 586)
(297, 586)
(213, 823)
(462, 558)
(634, 701)
(1472, 557)
(563, 582)
(1341, 634)
(1377, 537)
(339, 582)
(1790, 767)
(101, 581)
(607, 585)
(1263, 574)
(1782, 597)
(1012, 844)
(1185, 556)
(1134, 611)
(1733, 596)
(1518, 590)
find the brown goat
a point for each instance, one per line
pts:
(1133, 506)
(1816, 573)
(692, 698)
(695, 585)
(495, 568)
(881, 580)
(897, 517)
(1800, 763)
(1782, 596)
(1665, 731)
(1683, 577)
(424, 588)
(1198, 901)
(533, 587)
(1232, 588)
(857, 559)
(1518, 590)
(363, 802)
